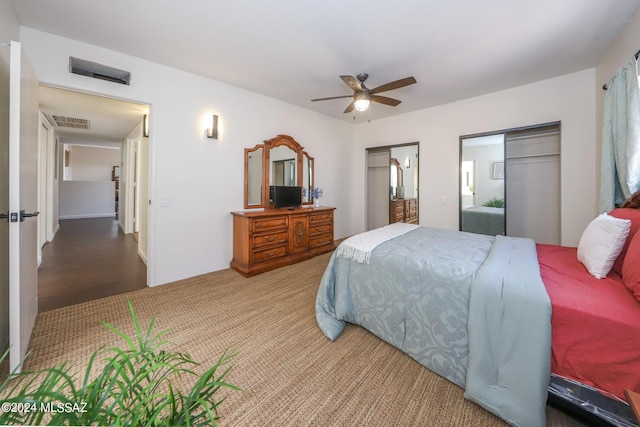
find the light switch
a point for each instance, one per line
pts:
(164, 201)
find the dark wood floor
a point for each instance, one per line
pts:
(87, 260)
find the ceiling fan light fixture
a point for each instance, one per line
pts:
(363, 96)
(362, 103)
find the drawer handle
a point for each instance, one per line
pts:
(271, 253)
(318, 228)
(270, 238)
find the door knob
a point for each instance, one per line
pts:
(24, 215)
(10, 216)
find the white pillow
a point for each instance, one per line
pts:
(601, 243)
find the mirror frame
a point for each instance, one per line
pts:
(277, 141)
(247, 153)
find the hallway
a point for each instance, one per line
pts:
(89, 258)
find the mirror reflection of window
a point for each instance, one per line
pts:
(467, 179)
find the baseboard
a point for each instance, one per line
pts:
(142, 257)
(98, 215)
(53, 234)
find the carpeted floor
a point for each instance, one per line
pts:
(290, 373)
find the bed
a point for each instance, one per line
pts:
(510, 321)
(483, 219)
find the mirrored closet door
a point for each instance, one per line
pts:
(392, 185)
(510, 183)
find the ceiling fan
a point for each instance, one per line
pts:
(362, 95)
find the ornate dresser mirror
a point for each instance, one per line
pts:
(279, 161)
(264, 239)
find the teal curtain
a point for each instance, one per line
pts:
(620, 161)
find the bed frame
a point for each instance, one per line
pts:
(632, 202)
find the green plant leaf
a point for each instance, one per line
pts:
(124, 386)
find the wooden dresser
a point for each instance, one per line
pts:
(272, 238)
(403, 210)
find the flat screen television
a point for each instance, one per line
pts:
(281, 196)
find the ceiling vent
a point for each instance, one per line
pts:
(71, 122)
(98, 71)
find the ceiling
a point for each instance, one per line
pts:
(295, 50)
(110, 120)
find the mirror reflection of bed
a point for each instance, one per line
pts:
(483, 220)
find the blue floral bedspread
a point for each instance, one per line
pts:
(441, 297)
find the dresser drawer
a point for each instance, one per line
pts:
(320, 218)
(326, 239)
(270, 239)
(268, 254)
(320, 229)
(270, 223)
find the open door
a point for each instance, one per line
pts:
(23, 237)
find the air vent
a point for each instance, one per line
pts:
(71, 122)
(98, 71)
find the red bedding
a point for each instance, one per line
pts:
(595, 323)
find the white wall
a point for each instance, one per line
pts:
(91, 194)
(87, 199)
(202, 178)
(569, 99)
(93, 163)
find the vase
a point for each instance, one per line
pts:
(316, 203)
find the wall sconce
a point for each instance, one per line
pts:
(145, 126)
(407, 163)
(212, 132)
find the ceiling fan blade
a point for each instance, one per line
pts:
(350, 107)
(395, 85)
(332, 97)
(385, 100)
(352, 82)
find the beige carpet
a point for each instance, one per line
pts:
(290, 373)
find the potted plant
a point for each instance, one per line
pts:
(133, 387)
(316, 194)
